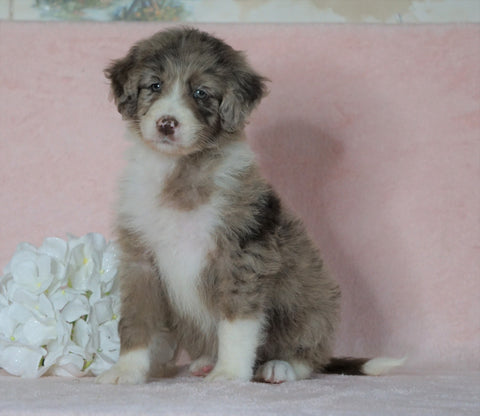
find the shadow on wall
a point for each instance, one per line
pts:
(307, 154)
(300, 160)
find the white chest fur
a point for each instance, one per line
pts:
(181, 240)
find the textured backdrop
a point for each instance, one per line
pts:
(370, 133)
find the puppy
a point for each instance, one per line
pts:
(211, 261)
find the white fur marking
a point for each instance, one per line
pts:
(181, 240)
(237, 345)
(181, 252)
(276, 372)
(170, 105)
(381, 365)
(302, 370)
(131, 368)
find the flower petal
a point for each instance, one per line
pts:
(55, 248)
(61, 296)
(55, 351)
(23, 251)
(109, 339)
(103, 310)
(45, 293)
(32, 271)
(109, 266)
(71, 363)
(21, 360)
(75, 309)
(69, 366)
(38, 333)
(81, 333)
(24, 271)
(18, 313)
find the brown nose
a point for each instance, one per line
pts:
(166, 125)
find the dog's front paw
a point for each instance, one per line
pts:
(228, 372)
(131, 368)
(119, 375)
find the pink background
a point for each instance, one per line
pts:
(370, 133)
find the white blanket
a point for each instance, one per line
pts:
(421, 394)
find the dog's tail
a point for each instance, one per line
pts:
(362, 366)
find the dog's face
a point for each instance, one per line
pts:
(183, 89)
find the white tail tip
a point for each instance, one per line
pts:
(381, 365)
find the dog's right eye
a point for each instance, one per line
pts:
(156, 87)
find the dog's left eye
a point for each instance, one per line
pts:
(156, 87)
(199, 94)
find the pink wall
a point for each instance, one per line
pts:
(371, 133)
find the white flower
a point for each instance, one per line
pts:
(31, 270)
(21, 360)
(59, 308)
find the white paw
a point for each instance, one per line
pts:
(131, 368)
(201, 366)
(224, 372)
(275, 372)
(119, 375)
(237, 344)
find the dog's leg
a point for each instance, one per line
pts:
(238, 340)
(142, 325)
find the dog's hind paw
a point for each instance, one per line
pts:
(275, 372)
(202, 366)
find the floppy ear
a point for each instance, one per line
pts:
(124, 83)
(243, 94)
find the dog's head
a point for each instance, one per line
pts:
(183, 88)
